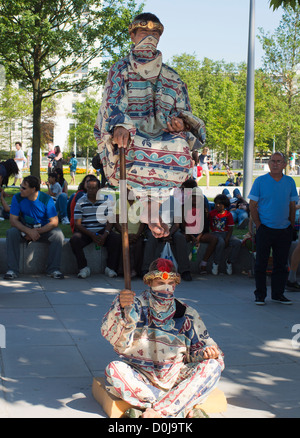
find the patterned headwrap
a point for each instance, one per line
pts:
(161, 269)
(142, 24)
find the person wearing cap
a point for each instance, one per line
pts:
(272, 208)
(169, 361)
(146, 109)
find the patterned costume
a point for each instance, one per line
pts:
(142, 94)
(161, 341)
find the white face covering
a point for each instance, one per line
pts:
(145, 59)
(164, 288)
(162, 304)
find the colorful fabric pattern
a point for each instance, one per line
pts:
(164, 354)
(142, 97)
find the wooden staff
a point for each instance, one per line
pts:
(124, 220)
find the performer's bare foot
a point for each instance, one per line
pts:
(159, 229)
(150, 413)
(196, 412)
(150, 215)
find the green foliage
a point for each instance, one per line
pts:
(284, 3)
(85, 117)
(281, 61)
(44, 43)
(218, 94)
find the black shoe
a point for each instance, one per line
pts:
(186, 276)
(259, 301)
(282, 300)
(292, 286)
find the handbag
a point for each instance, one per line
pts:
(168, 254)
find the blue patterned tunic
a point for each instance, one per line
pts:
(142, 94)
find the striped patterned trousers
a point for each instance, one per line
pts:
(134, 387)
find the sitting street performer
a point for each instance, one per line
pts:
(169, 361)
(146, 109)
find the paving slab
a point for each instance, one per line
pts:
(54, 346)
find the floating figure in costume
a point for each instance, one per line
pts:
(169, 361)
(146, 109)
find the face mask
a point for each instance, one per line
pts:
(164, 287)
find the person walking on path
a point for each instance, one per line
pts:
(272, 207)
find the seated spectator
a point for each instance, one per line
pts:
(135, 236)
(205, 236)
(61, 180)
(175, 237)
(239, 208)
(60, 198)
(33, 218)
(230, 177)
(89, 229)
(221, 224)
(54, 188)
(239, 179)
(75, 196)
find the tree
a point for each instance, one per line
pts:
(14, 106)
(284, 3)
(281, 60)
(84, 117)
(43, 43)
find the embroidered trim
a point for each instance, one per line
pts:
(146, 25)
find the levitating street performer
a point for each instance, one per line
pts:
(146, 109)
(169, 361)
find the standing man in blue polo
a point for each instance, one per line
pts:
(272, 207)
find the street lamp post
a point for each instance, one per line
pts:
(249, 118)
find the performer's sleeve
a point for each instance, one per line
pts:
(196, 134)
(112, 111)
(200, 339)
(118, 324)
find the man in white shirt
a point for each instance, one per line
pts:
(19, 159)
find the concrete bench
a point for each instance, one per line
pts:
(115, 408)
(33, 258)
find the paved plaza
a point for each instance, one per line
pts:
(54, 346)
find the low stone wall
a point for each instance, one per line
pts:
(33, 259)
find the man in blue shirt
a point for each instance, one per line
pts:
(272, 207)
(33, 217)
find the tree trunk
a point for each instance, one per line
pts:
(37, 111)
(36, 134)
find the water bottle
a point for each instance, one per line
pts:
(194, 253)
(97, 247)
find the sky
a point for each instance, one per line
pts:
(215, 29)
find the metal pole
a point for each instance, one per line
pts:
(249, 119)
